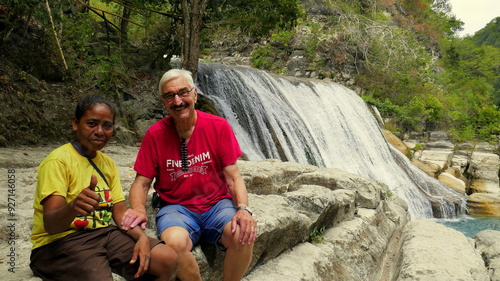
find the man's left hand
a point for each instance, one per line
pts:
(248, 226)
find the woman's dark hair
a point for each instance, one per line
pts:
(88, 102)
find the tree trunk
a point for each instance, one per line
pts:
(125, 21)
(192, 16)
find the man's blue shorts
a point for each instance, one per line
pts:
(206, 226)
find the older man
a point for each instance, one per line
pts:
(192, 157)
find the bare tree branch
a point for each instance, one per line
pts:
(56, 38)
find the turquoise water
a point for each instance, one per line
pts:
(470, 226)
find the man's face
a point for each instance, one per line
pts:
(179, 98)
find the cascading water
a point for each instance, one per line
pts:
(319, 123)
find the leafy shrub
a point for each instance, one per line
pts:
(262, 57)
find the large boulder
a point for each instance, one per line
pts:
(484, 204)
(483, 170)
(431, 251)
(488, 245)
(351, 250)
(452, 181)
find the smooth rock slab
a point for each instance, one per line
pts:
(431, 251)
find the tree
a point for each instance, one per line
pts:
(192, 16)
(124, 24)
(255, 17)
(13, 14)
(489, 35)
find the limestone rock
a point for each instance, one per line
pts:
(361, 220)
(484, 169)
(368, 192)
(472, 168)
(451, 181)
(438, 136)
(439, 159)
(397, 143)
(350, 251)
(488, 245)
(432, 251)
(431, 170)
(483, 204)
(271, 176)
(440, 145)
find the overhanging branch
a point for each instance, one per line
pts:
(175, 16)
(96, 10)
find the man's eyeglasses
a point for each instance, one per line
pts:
(169, 96)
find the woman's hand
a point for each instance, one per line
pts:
(58, 216)
(142, 251)
(87, 200)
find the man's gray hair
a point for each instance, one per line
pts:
(175, 73)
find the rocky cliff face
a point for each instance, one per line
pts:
(470, 168)
(330, 42)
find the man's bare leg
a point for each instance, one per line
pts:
(178, 238)
(238, 256)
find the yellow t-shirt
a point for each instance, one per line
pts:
(66, 173)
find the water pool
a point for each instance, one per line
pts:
(470, 226)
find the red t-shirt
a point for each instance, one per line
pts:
(211, 147)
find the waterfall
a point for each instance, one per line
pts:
(319, 123)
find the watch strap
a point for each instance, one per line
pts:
(246, 208)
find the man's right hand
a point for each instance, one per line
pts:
(132, 218)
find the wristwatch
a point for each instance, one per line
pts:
(246, 208)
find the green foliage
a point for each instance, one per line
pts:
(316, 235)
(488, 123)
(78, 33)
(16, 10)
(272, 56)
(410, 65)
(282, 38)
(108, 72)
(463, 96)
(418, 146)
(262, 57)
(256, 17)
(312, 43)
(471, 88)
(389, 193)
(489, 35)
(417, 114)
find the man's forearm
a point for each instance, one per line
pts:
(137, 197)
(138, 193)
(239, 192)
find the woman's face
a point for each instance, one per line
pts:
(94, 129)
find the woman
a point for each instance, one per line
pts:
(72, 236)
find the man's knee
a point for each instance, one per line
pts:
(232, 241)
(177, 238)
